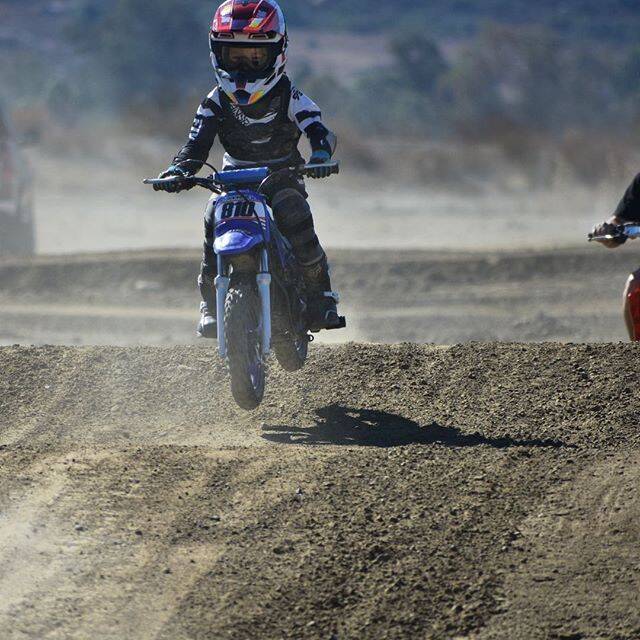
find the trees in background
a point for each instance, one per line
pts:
(524, 77)
(527, 77)
(507, 86)
(137, 51)
(418, 61)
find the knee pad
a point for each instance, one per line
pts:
(633, 300)
(294, 219)
(290, 208)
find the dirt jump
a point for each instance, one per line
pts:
(481, 491)
(442, 297)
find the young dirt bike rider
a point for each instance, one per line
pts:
(259, 117)
(628, 211)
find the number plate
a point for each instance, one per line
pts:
(244, 208)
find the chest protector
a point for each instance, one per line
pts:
(260, 132)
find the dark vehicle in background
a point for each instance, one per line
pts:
(17, 228)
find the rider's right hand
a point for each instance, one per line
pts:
(175, 186)
(608, 228)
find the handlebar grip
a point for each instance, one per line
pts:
(319, 170)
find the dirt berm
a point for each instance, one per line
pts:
(484, 491)
(150, 297)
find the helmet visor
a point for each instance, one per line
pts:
(249, 59)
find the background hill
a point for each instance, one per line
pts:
(611, 19)
(454, 95)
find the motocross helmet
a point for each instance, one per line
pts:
(248, 41)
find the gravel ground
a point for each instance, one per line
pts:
(150, 297)
(481, 491)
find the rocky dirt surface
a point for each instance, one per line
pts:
(150, 297)
(481, 491)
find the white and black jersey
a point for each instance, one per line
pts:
(267, 132)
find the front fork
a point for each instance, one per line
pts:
(263, 280)
(222, 283)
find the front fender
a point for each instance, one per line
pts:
(234, 242)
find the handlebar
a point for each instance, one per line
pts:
(236, 177)
(194, 180)
(620, 232)
(308, 170)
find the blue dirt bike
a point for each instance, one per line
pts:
(260, 292)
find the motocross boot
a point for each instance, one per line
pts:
(322, 302)
(208, 326)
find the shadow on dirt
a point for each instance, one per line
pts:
(338, 425)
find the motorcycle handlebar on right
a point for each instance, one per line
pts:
(620, 232)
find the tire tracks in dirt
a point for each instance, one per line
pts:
(150, 297)
(478, 491)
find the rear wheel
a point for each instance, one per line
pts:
(243, 329)
(291, 351)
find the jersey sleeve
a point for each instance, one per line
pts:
(629, 208)
(202, 135)
(307, 115)
(303, 110)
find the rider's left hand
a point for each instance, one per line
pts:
(320, 158)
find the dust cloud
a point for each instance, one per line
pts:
(87, 204)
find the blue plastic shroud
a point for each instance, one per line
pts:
(243, 176)
(241, 234)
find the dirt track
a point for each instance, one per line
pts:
(481, 491)
(486, 491)
(150, 297)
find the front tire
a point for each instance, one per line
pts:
(243, 328)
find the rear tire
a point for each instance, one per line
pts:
(291, 354)
(243, 328)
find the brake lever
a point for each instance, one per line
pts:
(592, 238)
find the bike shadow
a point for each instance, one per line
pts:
(339, 425)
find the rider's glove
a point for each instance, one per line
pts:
(175, 186)
(320, 157)
(612, 229)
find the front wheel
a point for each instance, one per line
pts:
(243, 328)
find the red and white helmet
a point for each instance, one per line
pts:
(248, 42)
